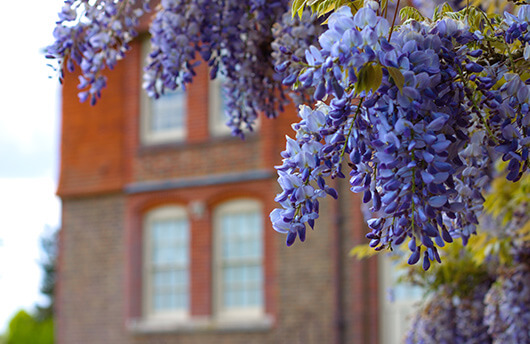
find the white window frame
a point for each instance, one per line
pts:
(216, 117)
(395, 314)
(246, 314)
(147, 136)
(169, 212)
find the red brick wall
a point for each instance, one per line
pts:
(92, 158)
(101, 149)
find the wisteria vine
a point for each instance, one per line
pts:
(415, 113)
(233, 36)
(418, 117)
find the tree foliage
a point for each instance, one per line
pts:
(25, 328)
(38, 328)
(49, 244)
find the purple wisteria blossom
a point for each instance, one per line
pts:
(234, 37)
(418, 141)
(292, 37)
(94, 35)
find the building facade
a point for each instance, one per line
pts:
(165, 231)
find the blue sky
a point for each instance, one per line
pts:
(29, 136)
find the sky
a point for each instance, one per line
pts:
(29, 151)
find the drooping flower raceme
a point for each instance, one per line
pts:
(405, 119)
(292, 37)
(233, 36)
(94, 35)
(414, 115)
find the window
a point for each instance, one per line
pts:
(166, 263)
(164, 119)
(398, 301)
(217, 108)
(238, 260)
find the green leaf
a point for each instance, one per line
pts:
(446, 8)
(298, 7)
(436, 14)
(376, 78)
(369, 78)
(474, 19)
(397, 77)
(409, 12)
(325, 6)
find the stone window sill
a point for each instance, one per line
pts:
(200, 324)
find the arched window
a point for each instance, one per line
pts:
(238, 259)
(217, 100)
(166, 263)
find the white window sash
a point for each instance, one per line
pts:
(147, 135)
(220, 263)
(394, 315)
(150, 268)
(216, 117)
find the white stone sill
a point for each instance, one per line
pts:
(200, 324)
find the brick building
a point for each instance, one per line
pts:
(166, 237)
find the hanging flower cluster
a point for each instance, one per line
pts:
(94, 35)
(234, 37)
(417, 115)
(414, 114)
(292, 37)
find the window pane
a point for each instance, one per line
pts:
(158, 302)
(397, 301)
(217, 107)
(220, 112)
(168, 112)
(169, 284)
(241, 256)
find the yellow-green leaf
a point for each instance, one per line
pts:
(298, 7)
(397, 77)
(369, 78)
(409, 12)
(374, 80)
(446, 8)
(362, 251)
